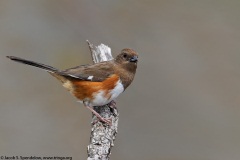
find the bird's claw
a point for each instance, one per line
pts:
(108, 121)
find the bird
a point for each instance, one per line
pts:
(95, 84)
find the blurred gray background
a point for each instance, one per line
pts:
(183, 105)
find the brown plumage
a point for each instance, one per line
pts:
(96, 84)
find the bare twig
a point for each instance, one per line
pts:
(92, 52)
(102, 135)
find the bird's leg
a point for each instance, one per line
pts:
(112, 104)
(108, 121)
(113, 107)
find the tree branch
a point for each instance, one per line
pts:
(102, 135)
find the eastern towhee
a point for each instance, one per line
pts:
(96, 84)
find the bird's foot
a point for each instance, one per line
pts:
(105, 120)
(108, 121)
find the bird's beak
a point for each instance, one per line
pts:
(133, 59)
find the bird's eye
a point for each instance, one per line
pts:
(125, 55)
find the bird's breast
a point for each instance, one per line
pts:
(98, 93)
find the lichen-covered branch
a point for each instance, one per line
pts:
(102, 135)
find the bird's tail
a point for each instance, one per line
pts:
(53, 71)
(35, 64)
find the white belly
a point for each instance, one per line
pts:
(101, 99)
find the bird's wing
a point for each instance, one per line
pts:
(96, 72)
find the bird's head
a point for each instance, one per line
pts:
(128, 59)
